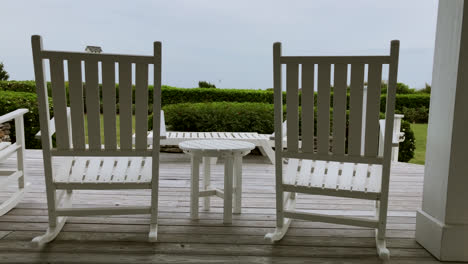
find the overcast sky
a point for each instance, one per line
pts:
(228, 43)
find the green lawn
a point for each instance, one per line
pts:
(420, 134)
(117, 121)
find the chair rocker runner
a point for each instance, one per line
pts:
(343, 167)
(83, 162)
(6, 150)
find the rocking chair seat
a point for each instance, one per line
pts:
(98, 172)
(356, 180)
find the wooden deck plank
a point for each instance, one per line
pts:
(122, 239)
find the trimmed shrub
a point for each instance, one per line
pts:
(10, 101)
(407, 147)
(416, 115)
(407, 100)
(18, 86)
(172, 95)
(219, 117)
(401, 88)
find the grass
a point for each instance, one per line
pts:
(117, 124)
(420, 135)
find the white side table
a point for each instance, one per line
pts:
(232, 151)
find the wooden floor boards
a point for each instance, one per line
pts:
(122, 239)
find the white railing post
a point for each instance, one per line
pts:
(397, 136)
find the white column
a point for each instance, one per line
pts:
(442, 223)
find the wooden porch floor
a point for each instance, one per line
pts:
(122, 239)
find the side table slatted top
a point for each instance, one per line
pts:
(216, 145)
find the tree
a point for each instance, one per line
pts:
(204, 84)
(3, 74)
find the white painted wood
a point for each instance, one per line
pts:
(124, 210)
(206, 181)
(389, 115)
(135, 169)
(372, 110)
(194, 187)
(93, 168)
(346, 177)
(304, 172)
(263, 142)
(109, 102)
(339, 108)
(60, 103)
(205, 150)
(98, 167)
(291, 171)
(6, 150)
(317, 177)
(375, 178)
(331, 181)
(141, 107)
(75, 86)
(355, 109)
(50, 54)
(442, 221)
(360, 177)
(328, 157)
(335, 173)
(398, 136)
(307, 107)
(228, 175)
(346, 220)
(92, 104)
(323, 108)
(105, 172)
(292, 106)
(335, 59)
(46, 139)
(12, 115)
(237, 184)
(125, 105)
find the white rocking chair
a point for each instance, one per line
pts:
(349, 169)
(86, 164)
(6, 150)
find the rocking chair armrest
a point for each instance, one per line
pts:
(52, 125)
(12, 115)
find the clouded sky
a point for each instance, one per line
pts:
(228, 43)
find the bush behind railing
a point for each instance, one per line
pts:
(10, 101)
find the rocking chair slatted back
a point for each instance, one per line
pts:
(318, 127)
(85, 105)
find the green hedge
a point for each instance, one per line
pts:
(220, 116)
(18, 86)
(10, 101)
(173, 95)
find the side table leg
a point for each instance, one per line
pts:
(228, 173)
(237, 184)
(195, 160)
(206, 181)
